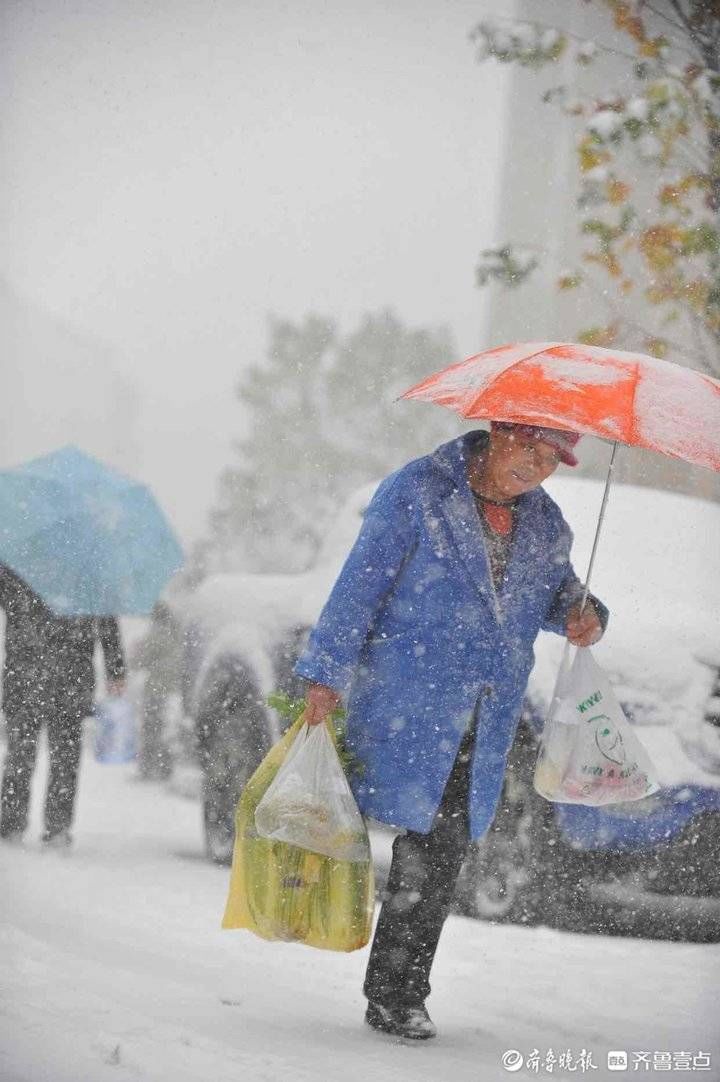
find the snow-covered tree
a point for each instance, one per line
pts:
(648, 157)
(322, 420)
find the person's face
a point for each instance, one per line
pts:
(517, 462)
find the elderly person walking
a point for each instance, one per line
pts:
(428, 634)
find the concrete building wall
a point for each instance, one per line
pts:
(537, 208)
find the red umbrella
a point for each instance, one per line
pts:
(628, 397)
(624, 397)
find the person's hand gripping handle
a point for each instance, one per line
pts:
(320, 701)
(583, 626)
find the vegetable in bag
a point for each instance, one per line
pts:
(281, 891)
(310, 804)
(589, 753)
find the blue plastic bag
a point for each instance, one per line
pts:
(115, 731)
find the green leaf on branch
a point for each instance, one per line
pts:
(288, 709)
(656, 347)
(599, 336)
(605, 233)
(508, 265)
(627, 218)
(527, 44)
(700, 238)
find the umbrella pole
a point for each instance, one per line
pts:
(606, 493)
(565, 661)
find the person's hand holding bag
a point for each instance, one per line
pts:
(583, 626)
(320, 701)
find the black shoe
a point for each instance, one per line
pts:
(60, 839)
(12, 837)
(413, 1023)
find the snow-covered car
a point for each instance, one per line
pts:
(650, 867)
(243, 633)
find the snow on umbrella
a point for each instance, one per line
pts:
(87, 539)
(618, 396)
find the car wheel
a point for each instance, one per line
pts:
(233, 751)
(500, 878)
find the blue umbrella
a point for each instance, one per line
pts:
(85, 538)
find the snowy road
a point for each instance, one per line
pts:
(114, 967)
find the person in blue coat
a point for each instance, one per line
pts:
(428, 633)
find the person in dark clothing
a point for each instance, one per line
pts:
(461, 561)
(48, 679)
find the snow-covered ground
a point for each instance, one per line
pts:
(114, 966)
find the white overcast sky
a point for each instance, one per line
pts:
(175, 170)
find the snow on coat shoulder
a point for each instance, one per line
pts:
(424, 646)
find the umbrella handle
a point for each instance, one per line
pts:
(606, 493)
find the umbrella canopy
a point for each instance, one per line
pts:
(618, 396)
(85, 538)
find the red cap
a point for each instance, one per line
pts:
(563, 442)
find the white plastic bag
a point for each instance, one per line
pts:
(589, 752)
(309, 802)
(115, 730)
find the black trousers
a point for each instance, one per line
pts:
(419, 892)
(64, 731)
(155, 758)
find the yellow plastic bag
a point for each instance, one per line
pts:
(279, 891)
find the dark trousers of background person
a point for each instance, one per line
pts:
(419, 892)
(64, 733)
(155, 758)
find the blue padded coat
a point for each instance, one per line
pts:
(423, 646)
